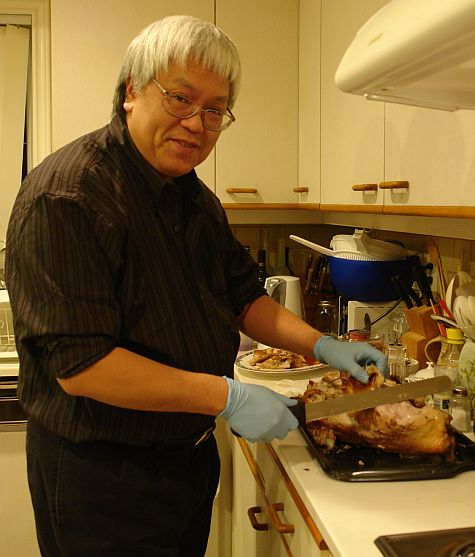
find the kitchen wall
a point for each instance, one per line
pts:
(456, 254)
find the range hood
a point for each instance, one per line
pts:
(416, 52)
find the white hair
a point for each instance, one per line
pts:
(178, 39)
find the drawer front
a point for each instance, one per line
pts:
(291, 530)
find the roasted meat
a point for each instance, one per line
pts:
(408, 427)
(275, 358)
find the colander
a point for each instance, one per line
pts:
(340, 254)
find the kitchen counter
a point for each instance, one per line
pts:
(351, 515)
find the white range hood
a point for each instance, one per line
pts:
(417, 52)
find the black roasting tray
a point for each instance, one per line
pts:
(350, 463)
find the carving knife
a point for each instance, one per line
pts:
(306, 412)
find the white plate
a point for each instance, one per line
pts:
(242, 362)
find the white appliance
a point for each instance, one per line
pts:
(417, 52)
(380, 314)
(287, 291)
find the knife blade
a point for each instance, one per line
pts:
(306, 412)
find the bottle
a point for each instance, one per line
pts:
(261, 263)
(460, 409)
(448, 364)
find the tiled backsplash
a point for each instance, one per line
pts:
(456, 254)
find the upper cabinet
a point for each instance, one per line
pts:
(385, 157)
(435, 151)
(352, 132)
(257, 157)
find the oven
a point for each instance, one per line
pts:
(12, 416)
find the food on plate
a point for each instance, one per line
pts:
(276, 358)
(409, 427)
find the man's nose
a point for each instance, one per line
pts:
(194, 123)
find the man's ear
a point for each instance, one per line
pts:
(130, 95)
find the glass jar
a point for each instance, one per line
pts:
(326, 320)
(460, 409)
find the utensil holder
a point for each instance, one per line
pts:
(422, 328)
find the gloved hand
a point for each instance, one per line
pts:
(258, 413)
(350, 356)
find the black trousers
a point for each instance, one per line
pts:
(97, 499)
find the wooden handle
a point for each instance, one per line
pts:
(241, 190)
(364, 187)
(395, 185)
(300, 189)
(280, 526)
(260, 526)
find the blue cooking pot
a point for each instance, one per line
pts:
(367, 281)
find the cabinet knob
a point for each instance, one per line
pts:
(364, 187)
(260, 526)
(241, 190)
(300, 189)
(394, 185)
(280, 526)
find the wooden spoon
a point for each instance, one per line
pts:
(434, 255)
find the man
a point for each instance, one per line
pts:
(128, 291)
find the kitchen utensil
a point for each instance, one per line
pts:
(362, 243)
(380, 248)
(465, 307)
(466, 289)
(450, 292)
(366, 281)
(368, 399)
(458, 280)
(434, 255)
(351, 463)
(344, 254)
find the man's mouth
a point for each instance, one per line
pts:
(186, 144)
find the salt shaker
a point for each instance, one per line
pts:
(460, 409)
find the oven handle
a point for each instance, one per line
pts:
(12, 426)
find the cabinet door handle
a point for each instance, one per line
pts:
(364, 187)
(300, 189)
(280, 526)
(241, 190)
(395, 185)
(251, 513)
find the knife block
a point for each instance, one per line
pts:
(422, 328)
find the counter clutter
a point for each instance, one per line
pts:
(351, 515)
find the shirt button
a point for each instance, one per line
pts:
(177, 228)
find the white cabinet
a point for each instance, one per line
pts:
(435, 151)
(309, 101)
(352, 141)
(269, 517)
(365, 143)
(260, 151)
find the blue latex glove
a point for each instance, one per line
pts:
(258, 413)
(350, 356)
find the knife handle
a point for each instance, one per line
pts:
(401, 292)
(299, 412)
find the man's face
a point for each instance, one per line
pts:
(171, 145)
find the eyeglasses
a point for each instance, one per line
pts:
(182, 107)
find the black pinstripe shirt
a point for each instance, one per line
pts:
(102, 253)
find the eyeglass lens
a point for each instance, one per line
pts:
(182, 107)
